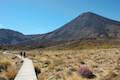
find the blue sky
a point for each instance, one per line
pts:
(42, 16)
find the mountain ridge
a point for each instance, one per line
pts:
(86, 25)
(86, 19)
(11, 37)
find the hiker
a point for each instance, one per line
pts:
(24, 54)
(21, 54)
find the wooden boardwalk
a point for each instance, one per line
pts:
(27, 71)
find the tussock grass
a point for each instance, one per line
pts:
(8, 66)
(4, 63)
(64, 64)
(11, 74)
(37, 69)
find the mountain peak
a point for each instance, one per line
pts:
(87, 25)
(89, 14)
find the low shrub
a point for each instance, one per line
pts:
(2, 78)
(37, 70)
(86, 72)
(4, 64)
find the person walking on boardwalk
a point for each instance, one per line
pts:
(24, 54)
(21, 54)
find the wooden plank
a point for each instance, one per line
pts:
(27, 71)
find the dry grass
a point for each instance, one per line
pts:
(4, 64)
(86, 44)
(37, 70)
(8, 66)
(64, 64)
(11, 74)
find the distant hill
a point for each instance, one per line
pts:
(86, 26)
(10, 37)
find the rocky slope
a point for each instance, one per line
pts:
(10, 37)
(87, 25)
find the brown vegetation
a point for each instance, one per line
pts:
(9, 66)
(65, 64)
